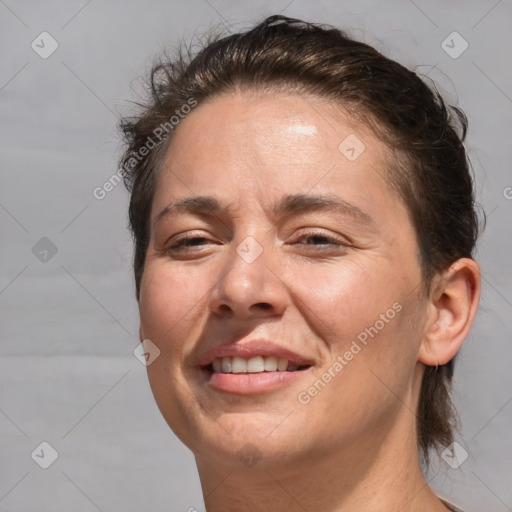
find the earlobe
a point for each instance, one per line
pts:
(453, 302)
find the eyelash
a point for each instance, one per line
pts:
(332, 242)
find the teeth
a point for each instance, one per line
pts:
(270, 364)
(226, 365)
(239, 365)
(256, 364)
(282, 364)
(217, 365)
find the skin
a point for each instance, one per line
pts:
(353, 446)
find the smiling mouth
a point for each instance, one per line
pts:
(252, 365)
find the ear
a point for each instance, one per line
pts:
(141, 335)
(452, 307)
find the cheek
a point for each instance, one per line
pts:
(342, 300)
(168, 300)
(366, 315)
(369, 372)
(169, 305)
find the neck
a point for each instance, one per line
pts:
(388, 478)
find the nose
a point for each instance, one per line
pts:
(249, 285)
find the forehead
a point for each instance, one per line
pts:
(267, 145)
(262, 123)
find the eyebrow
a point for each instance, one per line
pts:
(290, 204)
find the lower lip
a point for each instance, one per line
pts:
(252, 383)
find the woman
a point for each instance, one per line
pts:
(304, 224)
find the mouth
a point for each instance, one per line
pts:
(250, 367)
(254, 364)
(252, 375)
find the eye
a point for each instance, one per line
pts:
(188, 242)
(313, 241)
(319, 240)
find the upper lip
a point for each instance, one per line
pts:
(251, 348)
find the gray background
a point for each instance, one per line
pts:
(69, 324)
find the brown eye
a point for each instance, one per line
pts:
(317, 240)
(192, 241)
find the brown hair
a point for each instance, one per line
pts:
(430, 169)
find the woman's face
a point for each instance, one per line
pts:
(301, 244)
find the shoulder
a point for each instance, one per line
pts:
(450, 505)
